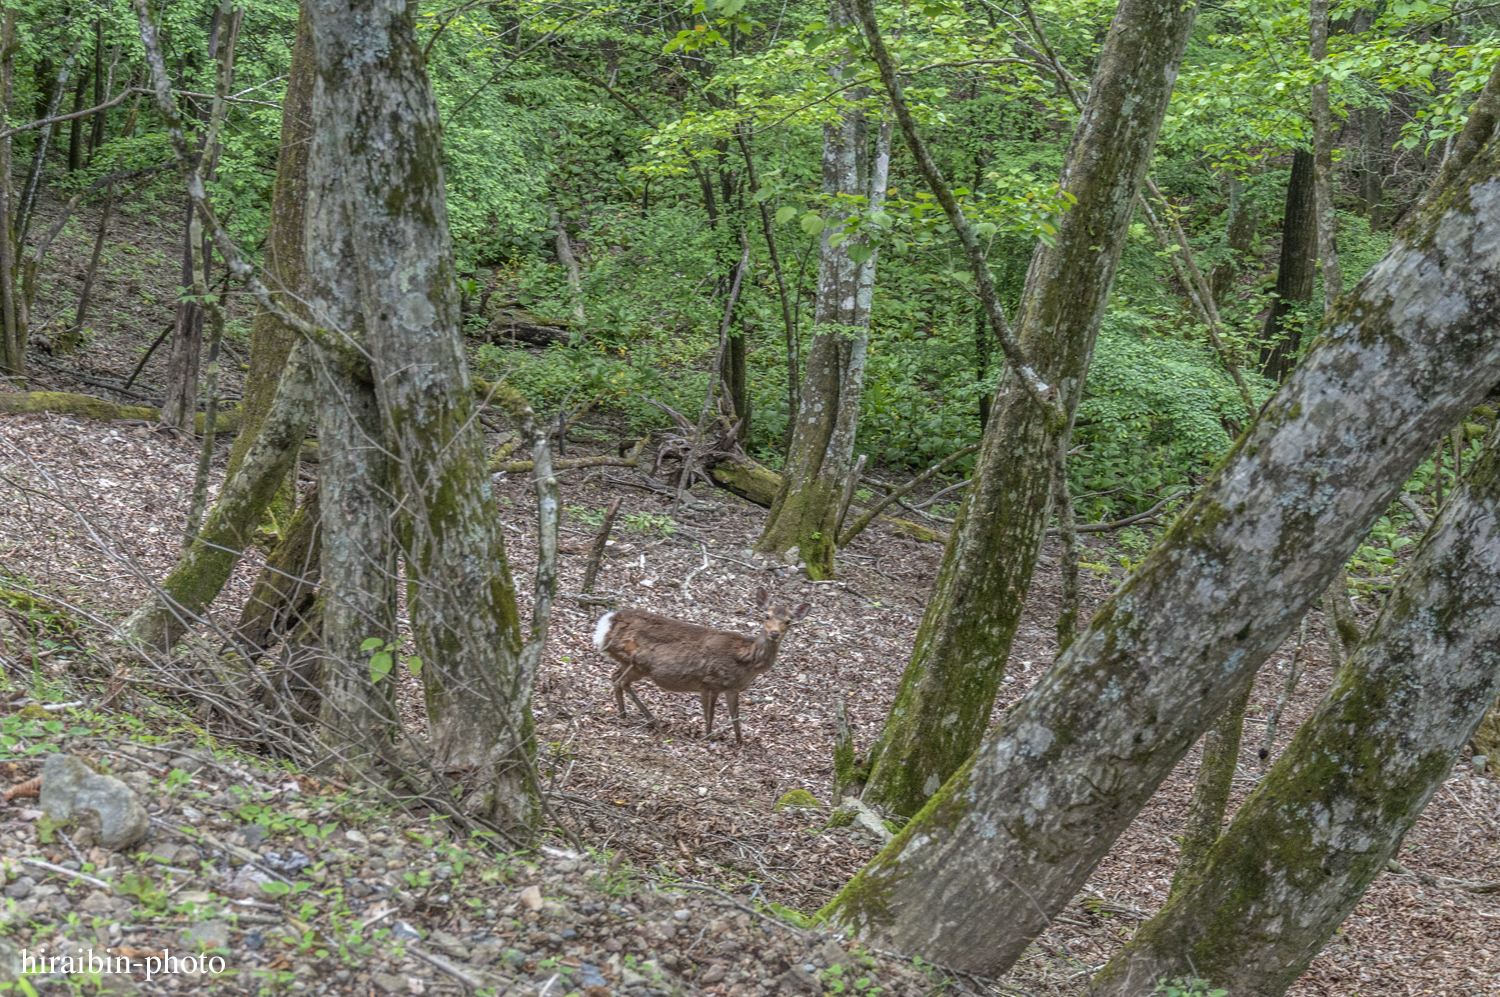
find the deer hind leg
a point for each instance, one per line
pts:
(708, 699)
(733, 699)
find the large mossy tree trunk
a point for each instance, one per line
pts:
(819, 456)
(1013, 836)
(948, 689)
(1296, 270)
(383, 135)
(1305, 846)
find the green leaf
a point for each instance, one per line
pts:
(986, 229)
(812, 224)
(371, 643)
(380, 665)
(858, 254)
(415, 664)
(785, 214)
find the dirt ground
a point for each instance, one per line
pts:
(92, 513)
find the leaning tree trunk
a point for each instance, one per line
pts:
(1305, 846)
(210, 559)
(285, 265)
(948, 690)
(279, 396)
(1295, 273)
(805, 512)
(1013, 836)
(381, 139)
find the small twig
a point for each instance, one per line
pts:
(457, 972)
(688, 580)
(70, 874)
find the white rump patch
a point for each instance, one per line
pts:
(601, 629)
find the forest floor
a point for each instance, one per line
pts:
(94, 512)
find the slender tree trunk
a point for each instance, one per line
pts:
(948, 690)
(1295, 273)
(1372, 164)
(736, 377)
(68, 341)
(181, 400)
(12, 312)
(1239, 234)
(1307, 843)
(102, 86)
(285, 263)
(379, 136)
(284, 591)
(1014, 835)
(1221, 758)
(822, 436)
(1323, 175)
(75, 127)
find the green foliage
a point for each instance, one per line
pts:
(1155, 415)
(1186, 987)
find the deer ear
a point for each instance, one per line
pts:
(801, 611)
(761, 598)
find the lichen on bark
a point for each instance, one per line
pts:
(1304, 847)
(1410, 349)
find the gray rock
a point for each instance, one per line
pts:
(188, 764)
(21, 888)
(1479, 763)
(103, 804)
(389, 983)
(206, 935)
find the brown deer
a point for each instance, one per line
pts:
(684, 657)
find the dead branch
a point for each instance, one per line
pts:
(869, 515)
(596, 552)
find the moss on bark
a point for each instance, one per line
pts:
(1329, 815)
(1402, 357)
(948, 690)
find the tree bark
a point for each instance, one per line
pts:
(181, 399)
(285, 263)
(1016, 832)
(1323, 176)
(1239, 234)
(1310, 839)
(12, 312)
(283, 594)
(75, 130)
(379, 138)
(1221, 757)
(1295, 272)
(822, 436)
(948, 689)
(207, 563)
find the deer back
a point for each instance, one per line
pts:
(682, 657)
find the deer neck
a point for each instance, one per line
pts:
(763, 651)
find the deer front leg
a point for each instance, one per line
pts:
(733, 698)
(650, 720)
(708, 699)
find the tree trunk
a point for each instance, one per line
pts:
(181, 399)
(948, 690)
(1295, 273)
(284, 591)
(379, 140)
(1371, 170)
(736, 379)
(75, 127)
(1221, 758)
(1013, 836)
(207, 563)
(822, 435)
(1239, 234)
(12, 313)
(285, 264)
(1323, 175)
(1307, 843)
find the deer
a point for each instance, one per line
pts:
(685, 657)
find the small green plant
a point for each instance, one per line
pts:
(839, 979)
(650, 522)
(1187, 987)
(384, 659)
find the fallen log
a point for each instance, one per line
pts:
(89, 407)
(759, 484)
